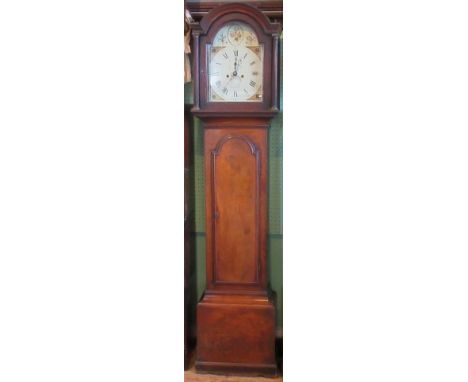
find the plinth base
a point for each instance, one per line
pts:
(236, 335)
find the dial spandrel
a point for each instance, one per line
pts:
(236, 65)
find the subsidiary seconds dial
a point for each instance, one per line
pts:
(235, 75)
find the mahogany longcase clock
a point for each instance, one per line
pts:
(236, 95)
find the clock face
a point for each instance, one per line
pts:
(235, 66)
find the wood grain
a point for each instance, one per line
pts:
(236, 206)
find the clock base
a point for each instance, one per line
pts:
(236, 335)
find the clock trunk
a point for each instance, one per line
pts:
(236, 317)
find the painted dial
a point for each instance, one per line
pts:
(236, 65)
(235, 74)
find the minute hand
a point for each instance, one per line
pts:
(235, 67)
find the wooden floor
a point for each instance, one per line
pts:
(191, 376)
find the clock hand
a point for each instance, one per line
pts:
(235, 67)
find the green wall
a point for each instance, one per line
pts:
(275, 234)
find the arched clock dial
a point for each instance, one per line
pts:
(236, 65)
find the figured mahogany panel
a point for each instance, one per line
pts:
(235, 165)
(235, 169)
(243, 334)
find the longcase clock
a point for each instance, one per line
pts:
(236, 95)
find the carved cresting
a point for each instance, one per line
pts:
(235, 186)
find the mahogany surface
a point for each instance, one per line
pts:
(236, 207)
(236, 336)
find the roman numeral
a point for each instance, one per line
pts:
(245, 55)
(252, 83)
(236, 53)
(225, 90)
(225, 55)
